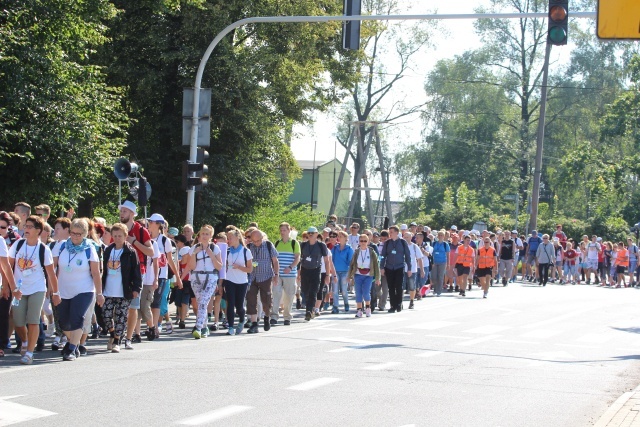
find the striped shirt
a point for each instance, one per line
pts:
(286, 256)
(262, 257)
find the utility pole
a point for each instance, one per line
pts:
(537, 172)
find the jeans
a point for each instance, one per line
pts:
(632, 268)
(340, 285)
(394, 282)
(234, 294)
(363, 287)
(380, 294)
(437, 277)
(72, 311)
(309, 284)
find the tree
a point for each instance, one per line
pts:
(61, 124)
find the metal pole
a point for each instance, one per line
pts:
(313, 175)
(517, 209)
(288, 19)
(537, 172)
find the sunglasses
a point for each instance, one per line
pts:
(309, 233)
(364, 241)
(333, 236)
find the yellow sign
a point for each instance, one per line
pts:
(619, 19)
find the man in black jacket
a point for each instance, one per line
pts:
(395, 256)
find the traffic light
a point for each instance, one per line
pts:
(558, 22)
(194, 174)
(351, 29)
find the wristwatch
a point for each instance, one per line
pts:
(56, 293)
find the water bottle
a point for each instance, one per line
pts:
(16, 301)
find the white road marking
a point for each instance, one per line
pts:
(429, 353)
(479, 340)
(519, 342)
(488, 329)
(379, 321)
(382, 366)
(558, 319)
(347, 340)
(594, 338)
(432, 326)
(388, 332)
(310, 385)
(14, 413)
(337, 329)
(215, 415)
(455, 337)
(508, 311)
(542, 333)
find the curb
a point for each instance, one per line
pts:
(613, 410)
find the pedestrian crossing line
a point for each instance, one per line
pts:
(542, 333)
(454, 337)
(519, 342)
(380, 321)
(214, 415)
(388, 332)
(479, 340)
(488, 329)
(310, 385)
(381, 366)
(558, 319)
(432, 326)
(429, 353)
(594, 338)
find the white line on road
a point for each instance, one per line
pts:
(519, 342)
(310, 385)
(429, 353)
(431, 326)
(379, 321)
(479, 340)
(337, 329)
(455, 337)
(594, 338)
(558, 319)
(14, 413)
(388, 332)
(542, 333)
(211, 416)
(382, 366)
(488, 329)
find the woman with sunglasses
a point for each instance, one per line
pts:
(342, 254)
(80, 284)
(363, 270)
(204, 262)
(545, 259)
(31, 260)
(486, 265)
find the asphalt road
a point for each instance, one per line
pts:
(526, 356)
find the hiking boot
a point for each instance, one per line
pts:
(267, 323)
(253, 329)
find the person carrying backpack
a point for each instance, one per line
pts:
(284, 290)
(395, 256)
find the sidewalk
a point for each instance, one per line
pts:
(624, 412)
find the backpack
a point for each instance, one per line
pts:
(212, 246)
(293, 244)
(87, 251)
(244, 252)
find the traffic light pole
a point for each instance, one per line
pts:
(537, 171)
(300, 19)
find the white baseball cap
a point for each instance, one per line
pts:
(453, 227)
(403, 227)
(128, 204)
(156, 217)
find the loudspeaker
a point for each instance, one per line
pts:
(123, 168)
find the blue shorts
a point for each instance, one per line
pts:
(135, 303)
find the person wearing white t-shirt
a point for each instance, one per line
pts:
(150, 285)
(416, 266)
(204, 262)
(239, 264)
(27, 257)
(6, 286)
(165, 261)
(80, 282)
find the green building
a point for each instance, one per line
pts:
(324, 177)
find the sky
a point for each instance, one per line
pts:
(454, 37)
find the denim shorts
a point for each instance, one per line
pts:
(135, 303)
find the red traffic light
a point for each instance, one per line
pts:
(558, 13)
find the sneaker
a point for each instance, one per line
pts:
(214, 327)
(410, 305)
(359, 313)
(298, 304)
(110, 344)
(316, 312)
(151, 333)
(115, 349)
(346, 308)
(307, 316)
(247, 324)
(204, 332)
(127, 345)
(136, 339)
(253, 329)
(287, 322)
(26, 359)
(368, 312)
(267, 323)
(484, 295)
(82, 350)
(463, 293)
(231, 331)
(51, 329)
(168, 328)
(238, 329)
(225, 324)
(335, 310)
(69, 357)
(55, 345)
(196, 333)
(325, 307)
(273, 322)
(391, 310)
(159, 327)
(181, 325)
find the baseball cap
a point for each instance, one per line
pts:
(534, 231)
(413, 223)
(453, 227)
(327, 230)
(173, 231)
(514, 231)
(376, 234)
(312, 230)
(403, 227)
(128, 204)
(156, 217)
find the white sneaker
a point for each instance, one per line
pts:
(110, 344)
(368, 312)
(127, 345)
(26, 360)
(115, 349)
(159, 327)
(51, 329)
(359, 313)
(168, 328)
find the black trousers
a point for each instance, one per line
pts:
(544, 273)
(309, 285)
(395, 279)
(5, 305)
(234, 294)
